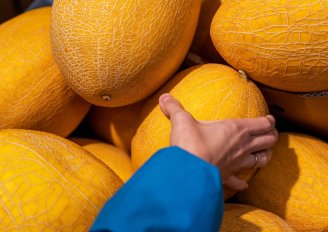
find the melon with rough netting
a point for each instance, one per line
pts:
(115, 158)
(117, 52)
(50, 183)
(282, 44)
(294, 184)
(33, 93)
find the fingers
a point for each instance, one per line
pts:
(272, 120)
(258, 126)
(256, 160)
(263, 158)
(262, 142)
(235, 183)
(254, 126)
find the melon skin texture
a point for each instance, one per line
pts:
(33, 93)
(294, 184)
(50, 183)
(116, 125)
(117, 52)
(115, 158)
(304, 110)
(208, 92)
(247, 218)
(282, 44)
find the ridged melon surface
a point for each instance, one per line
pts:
(307, 110)
(49, 183)
(116, 52)
(117, 125)
(208, 92)
(115, 158)
(294, 184)
(245, 218)
(33, 93)
(282, 44)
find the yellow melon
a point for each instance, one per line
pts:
(246, 218)
(202, 44)
(113, 157)
(116, 125)
(50, 183)
(208, 92)
(294, 184)
(282, 44)
(307, 110)
(33, 93)
(115, 53)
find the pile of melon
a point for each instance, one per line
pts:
(79, 112)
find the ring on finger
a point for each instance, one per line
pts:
(256, 161)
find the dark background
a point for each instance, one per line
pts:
(11, 8)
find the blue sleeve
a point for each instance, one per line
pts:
(39, 3)
(173, 191)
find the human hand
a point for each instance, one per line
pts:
(231, 145)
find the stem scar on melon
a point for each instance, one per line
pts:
(106, 97)
(243, 74)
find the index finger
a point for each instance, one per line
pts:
(258, 126)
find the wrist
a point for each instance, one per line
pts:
(198, 152)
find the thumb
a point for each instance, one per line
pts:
(169, 105)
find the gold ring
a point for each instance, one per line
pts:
(256, 161)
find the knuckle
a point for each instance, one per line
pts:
(241, 152)
(261, 162)
(233, 126)
(265, 158)
(271, 139)
(182, 116)
(245, 133)
(224, 126)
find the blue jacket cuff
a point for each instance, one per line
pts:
(173, 191)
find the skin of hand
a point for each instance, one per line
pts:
(231, 145)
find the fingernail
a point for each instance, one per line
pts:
(272, 120)
(271, 117)
(165, 97)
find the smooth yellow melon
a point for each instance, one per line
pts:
(50, 183)
(202, 44)
(246, 218)
(116, 125)
(115, 158)
(307, 110)
(33, 93)
(294, 184)
(115, 53)
(208, 92)
(282, 44)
